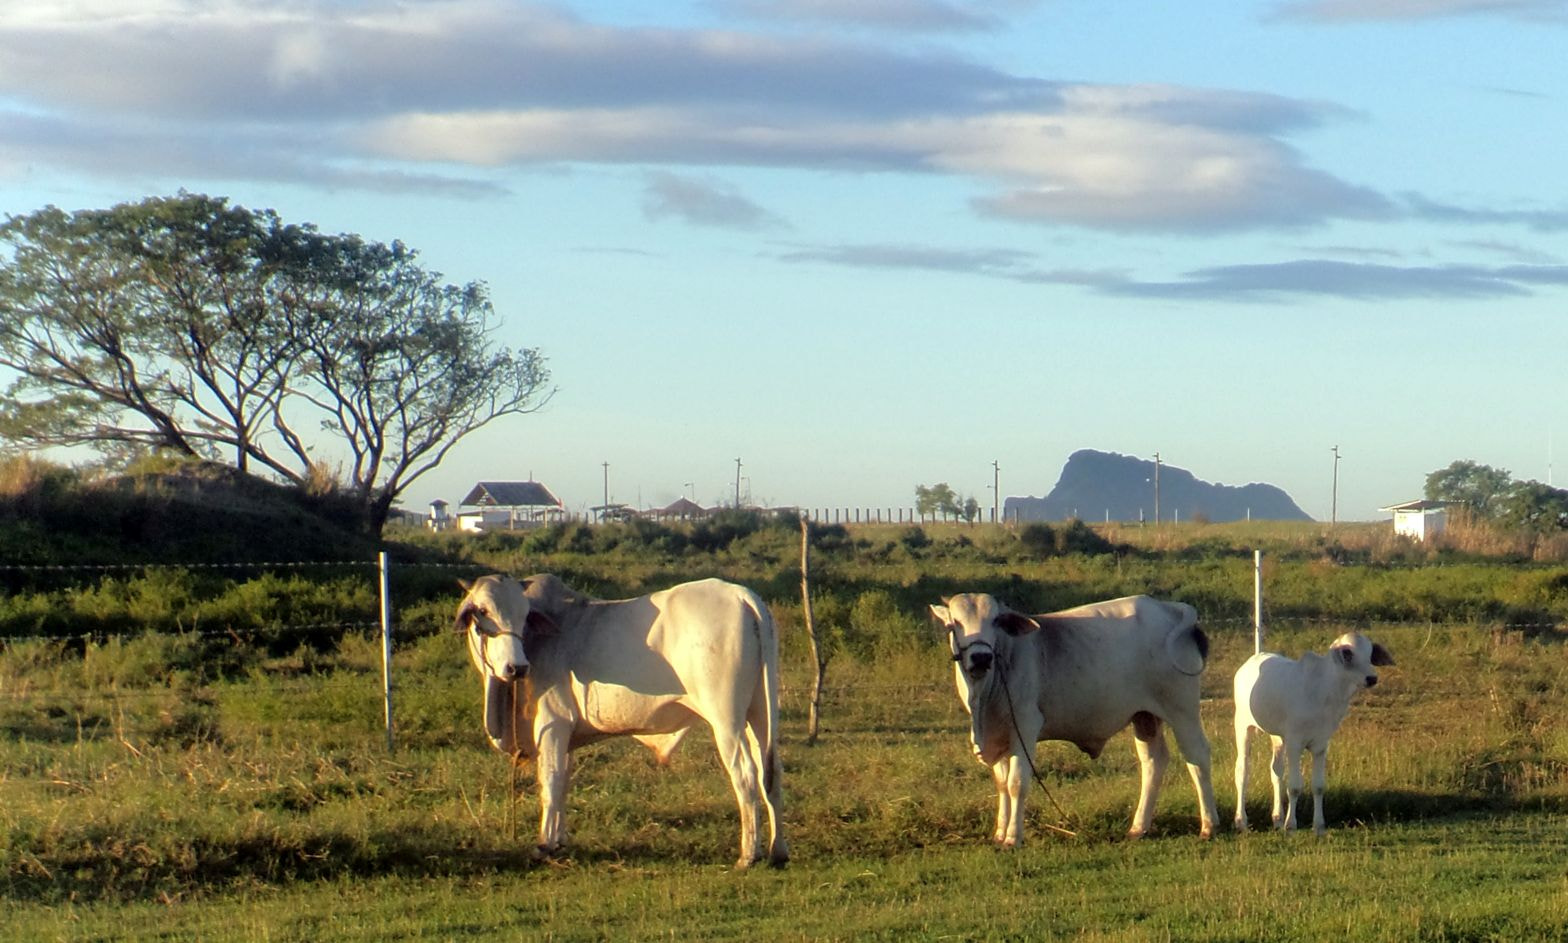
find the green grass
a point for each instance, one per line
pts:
(265, 807)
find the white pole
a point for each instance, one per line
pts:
(1257, 600)
(386, 644)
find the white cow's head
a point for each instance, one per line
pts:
(977, 626)
(498, 620)
(1359, 655)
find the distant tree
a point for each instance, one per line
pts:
(936, 499)
(1478, 486)
(1533, 506)
(970, 510)
(187, 325)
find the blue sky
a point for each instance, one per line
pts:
(864, 245)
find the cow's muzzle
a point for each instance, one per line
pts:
(976, 659)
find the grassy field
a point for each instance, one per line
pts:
(154, 787)
(267, 809)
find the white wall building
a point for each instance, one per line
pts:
(1419, 520)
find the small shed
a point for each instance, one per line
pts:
(507, 504)
(1421, 520)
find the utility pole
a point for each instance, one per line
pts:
(737, 484)
(1333, 508)
(1156, 489)
(606, 508)
(996, 490)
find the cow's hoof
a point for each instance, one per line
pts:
(1241, 825)
(1206, 833)
(1133, 834)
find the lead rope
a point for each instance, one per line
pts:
(1028, 758)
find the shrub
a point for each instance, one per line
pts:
(1038, 539)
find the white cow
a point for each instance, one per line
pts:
(1299, 704)
(1081, 676)
(560, 670)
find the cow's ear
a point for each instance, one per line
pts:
(1345, 655)
(1015, 623)
(1380, 656)
(466, 585)
(942, 615)
(465, 618)
(539, 623)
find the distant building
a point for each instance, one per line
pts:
(504, 505)
(439, 519)
(1420, 520)
(682, 509)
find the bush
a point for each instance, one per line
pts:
(1038, 539)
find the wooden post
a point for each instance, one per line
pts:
(814, 716)
(1257, 600)
(386, 644)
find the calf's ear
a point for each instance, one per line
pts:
(1380, 656)
(1345, 655)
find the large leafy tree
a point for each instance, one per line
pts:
(1532, 505)
(187, 325)
(1478, 486)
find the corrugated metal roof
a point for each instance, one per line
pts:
(1422, 505)
(510, 494)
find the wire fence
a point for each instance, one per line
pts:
(383, 618)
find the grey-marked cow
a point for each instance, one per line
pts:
(1299, 704)
(1080, 676)
(560, 670)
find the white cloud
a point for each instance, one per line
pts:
(377, 92)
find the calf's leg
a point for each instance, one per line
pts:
(1319, 775)
(1242, 732)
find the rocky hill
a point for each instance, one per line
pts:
(1096, 485)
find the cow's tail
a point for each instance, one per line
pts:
(1186, 644)
(765, 729)
(768, 669)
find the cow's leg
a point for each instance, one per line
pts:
(555, 774)
(735, 753)
(1194, 748)
(1242, 731)
(1319, 775)
(1011, 775)
(1153, 756)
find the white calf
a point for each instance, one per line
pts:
(1299, 704)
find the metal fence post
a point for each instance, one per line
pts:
(386, 643)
